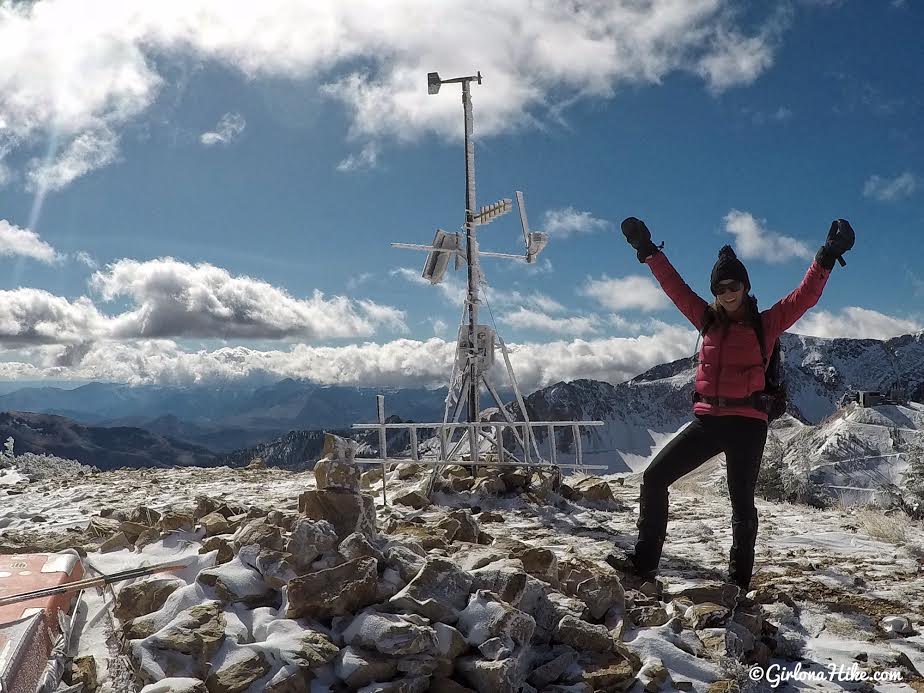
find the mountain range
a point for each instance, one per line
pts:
(281, 423)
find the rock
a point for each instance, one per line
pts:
(540, 563)
(214, 523)
(548, 609)
(474, 557)
(406, 470)
(439, 591)
(116, 542)
(406, 684)
(446, 685)
(238, 583)
(496, 648)
(204, 506)
(103, 527)
(450, 642)
(173, 520)
(648, 616)
(405, 560)
(222, 546)
(357, 667)
(462, 484)
(723, 686)
(653, 674)
(600, 591)
(706, 615)
(391, 634)
(606, 671)
(140, 598)
(491, 676)
(552, 670)
(148, 536)
(413, 499)
(596, 490)
(337, 474)
(721, 642)
(176, 684)
(488, 516)
(239, 670)
(450, 528)
(275, 567)
(489, 486)
(144, 515)
(186, 644)
(83, 671)
(132, 530)
(583, 636)
(334, 591)
(347, 512)
(428, 536)
(506, 578)
(469, 525)
(897, 625)
(310, 539)
(258, 531)
(723, 593)
(486, 617)
(358, 546)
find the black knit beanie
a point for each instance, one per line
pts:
(728, 266)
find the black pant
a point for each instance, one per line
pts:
(742, 439)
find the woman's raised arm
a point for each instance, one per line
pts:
(687, 301)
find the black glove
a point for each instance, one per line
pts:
(840, 239)
(639, 237)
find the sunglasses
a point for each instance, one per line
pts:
(731, 286)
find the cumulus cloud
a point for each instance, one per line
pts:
(891, 189)
(229, 128)
(854, 322)
(401, 362)
(84, 70)
(174, 298)
(754, 241)
(524, 318)
(33, 316)
(626, 293)
(15, 241)
(566, 221)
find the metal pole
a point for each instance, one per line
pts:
(471, 250)
(380, 414)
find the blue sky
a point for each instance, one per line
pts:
(190, 193)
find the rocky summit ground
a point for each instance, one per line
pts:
(310, 581)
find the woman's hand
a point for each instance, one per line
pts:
(840, 239)
(639, 237)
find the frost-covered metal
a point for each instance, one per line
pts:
(477, 342)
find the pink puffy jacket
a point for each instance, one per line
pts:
(730, 365)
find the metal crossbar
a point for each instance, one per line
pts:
(474, 432)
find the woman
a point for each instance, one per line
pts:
(727, 418)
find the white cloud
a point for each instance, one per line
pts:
(402, 362)
(87, 152)
(32, 316)
(173, 298)
(891, 189)
(85, 258)
(754, 241)
(626, 293)
(735, 59)
(526, 319)
(357, 280)
(229, 128)
(365, 160)
(25, 243)
(73, 69)
(854, 322)
(439, 327)
(564, 222)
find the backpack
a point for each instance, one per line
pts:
(773, 397)
(772, 400)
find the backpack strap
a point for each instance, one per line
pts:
(759, 329)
